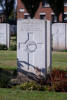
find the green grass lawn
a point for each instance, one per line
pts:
(12, 94)
(59, 60)
(8, 60)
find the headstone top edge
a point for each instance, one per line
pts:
(59, 23)
(4, 24)
(32, 20)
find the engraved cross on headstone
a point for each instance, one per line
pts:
(30, 46)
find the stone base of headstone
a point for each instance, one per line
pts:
(23, 77)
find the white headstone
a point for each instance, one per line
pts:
(33, 46)
(66, 36)
(59, 36)
(4, 34)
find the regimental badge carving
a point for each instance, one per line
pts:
(31, 46)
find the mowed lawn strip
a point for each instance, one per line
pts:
(8, 59)
(12, 94)
(59, 60)
(7, 55)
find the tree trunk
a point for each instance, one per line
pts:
(6, 11)
(57, 18)
(63, 11)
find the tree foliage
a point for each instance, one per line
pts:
(57, 6)
(32, 5)
(7, 6)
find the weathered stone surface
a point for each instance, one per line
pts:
(59, 32)
(4, 34)
(33, 46)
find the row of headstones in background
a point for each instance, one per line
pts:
(34, 46)
(5, 34)
(59, 33)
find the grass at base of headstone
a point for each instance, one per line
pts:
(14, 94)
(63, 50)
(59, 60)
(9, 67)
